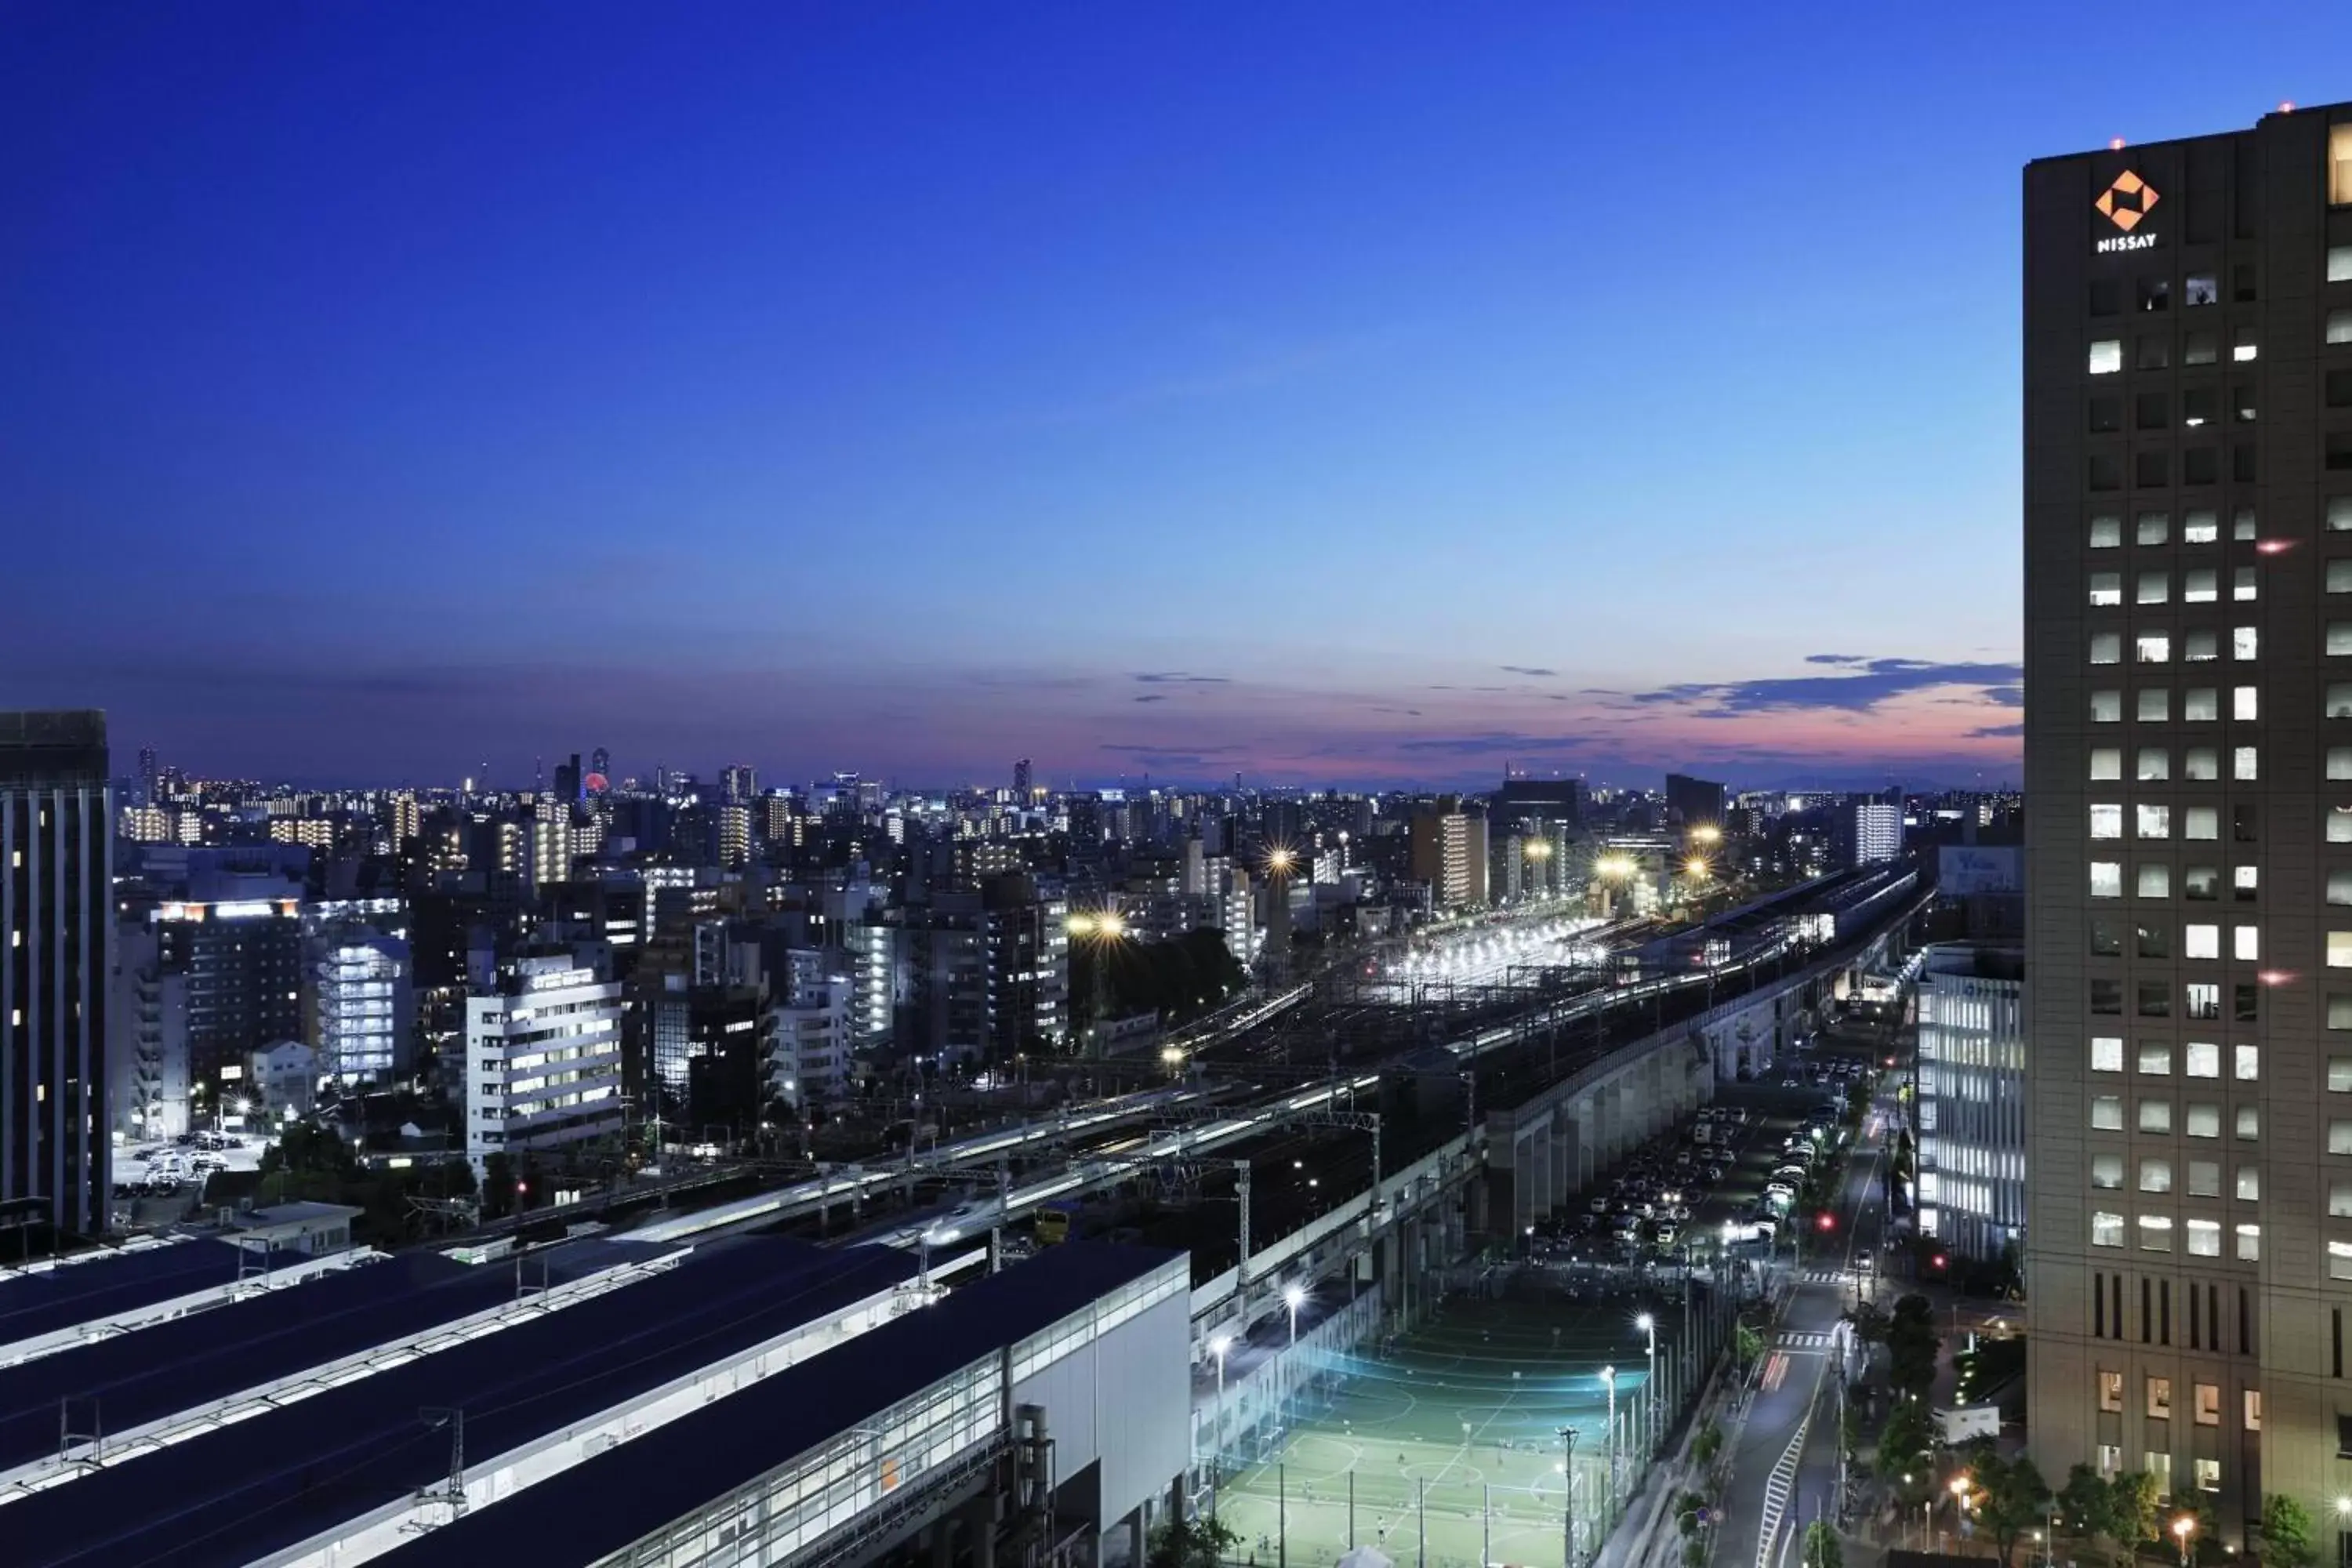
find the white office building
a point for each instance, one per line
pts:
(542, 1058)
(1971, 1164)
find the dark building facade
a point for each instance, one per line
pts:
(57, 837)
(2189, 812)
(1698, 802)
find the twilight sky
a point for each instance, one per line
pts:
(1355, 393)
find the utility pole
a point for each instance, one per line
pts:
(1568, 1494)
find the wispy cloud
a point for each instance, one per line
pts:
(1866, 684)
(1996, 731)
(1491, 743)
(1536, 670)
(1152, 696)
(1181, 678)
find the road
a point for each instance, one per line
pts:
(1784, 1468)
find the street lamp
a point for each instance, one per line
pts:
(1609, 1382)
(2184, 1529)
(1294, 1297)
(1649, 1326)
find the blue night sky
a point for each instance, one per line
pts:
(1337, 392)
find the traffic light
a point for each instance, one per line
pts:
(1827, 1222)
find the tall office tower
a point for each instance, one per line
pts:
(568, 779)
(738, 783)
(1023, 778)
(2189, 799)
(599, 772)
(57, 838)
(149, 768)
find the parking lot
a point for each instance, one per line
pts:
(157, 1183)
(1733, 1172)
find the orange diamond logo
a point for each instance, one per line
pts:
(2126, 201)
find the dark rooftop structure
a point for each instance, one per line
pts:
(44, 1301)
(275, 1481)
(621, 1495)
(128, 1381)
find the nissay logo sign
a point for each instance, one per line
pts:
(2126, 203)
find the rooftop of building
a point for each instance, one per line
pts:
(93, 1287)
(263, 1484)
(1975, 959)
(2321, 112)
(629, 1492)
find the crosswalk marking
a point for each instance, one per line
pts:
(1803, 1339)
(1821, 1276)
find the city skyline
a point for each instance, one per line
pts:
(1135, 401)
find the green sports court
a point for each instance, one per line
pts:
(1450, 1433)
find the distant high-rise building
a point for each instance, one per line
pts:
(1871, 832)
(1449, 853)
(599, 772)
(2188, 477)
(1021, 779)
(149, 776)
(403, 817)
(57, 921)
(739, 782)
(1698, 802)
(568, 776)
(734, 835)
(362, 996)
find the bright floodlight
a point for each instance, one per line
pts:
(1294, 1297)
(1707, 833)
(1112, 924)
(2183, 1526)
(1614, 866)
(1080, 925)
(1220, 1345)
(1696, 869)
(243, 1106)
(1645, 1322)
(1280, 860)
(1609, 1375)
(1959, 1486)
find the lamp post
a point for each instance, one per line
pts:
(1649, 1326)
(2184, 1529)
(1567, 1497)
(1609, 1382)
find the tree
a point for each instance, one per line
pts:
(1747, 1344)
(1912, 1346)
(2086, 1504)
(2287, 1533)
(1871, 1323)
(2012, 1497)
(1904, 1441)
(2135, 1509)
(1822, 1547)
(498, 1186)
(1195, 1543)
(1707, 1444)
